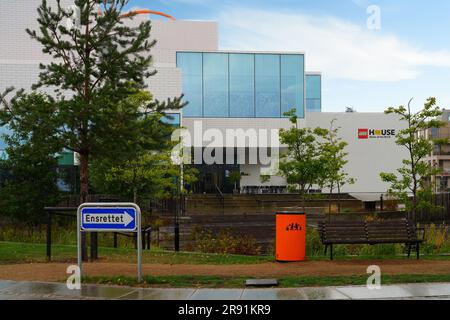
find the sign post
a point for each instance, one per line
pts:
(110, 217)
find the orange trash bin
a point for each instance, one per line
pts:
(290, 239)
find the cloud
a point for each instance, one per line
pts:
(338, 48)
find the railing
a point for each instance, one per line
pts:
(221, 197)
(70, 212)
(439, 215)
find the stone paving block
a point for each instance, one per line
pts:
(5, 284)
(213, 294)
(261, 282)
(322, 294)
(430, 289)
(272, 294)
(104, 292)
(160, 294)
(35, 288)
(386, 292)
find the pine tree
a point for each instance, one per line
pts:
(97, 65)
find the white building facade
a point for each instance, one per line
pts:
(227, 91)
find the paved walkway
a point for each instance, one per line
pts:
(20, 290)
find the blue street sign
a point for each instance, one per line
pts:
(108, 219)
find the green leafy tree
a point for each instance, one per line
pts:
(264, 178)
(152, 175)
(30, 181)
(414, 176)
(334, 159)
(96, 66)
(302, 164)
(235, 178)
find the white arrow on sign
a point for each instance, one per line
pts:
(102, 218)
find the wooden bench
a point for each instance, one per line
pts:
(370, 232)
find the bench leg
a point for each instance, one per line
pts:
(326, 247)
(418, 250)
(331, 252)
(409, 250)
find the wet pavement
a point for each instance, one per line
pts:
(26, 290)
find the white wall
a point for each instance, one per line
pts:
(20, 56)
(366, 158)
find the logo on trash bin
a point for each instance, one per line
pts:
(293, 227)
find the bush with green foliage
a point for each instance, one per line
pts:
(224, 243)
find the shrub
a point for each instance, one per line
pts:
(436, 239)
(224, 243)
(314, 245)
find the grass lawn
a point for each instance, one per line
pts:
(239, 282)
(13, 252)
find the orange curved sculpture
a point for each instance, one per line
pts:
(146, 11)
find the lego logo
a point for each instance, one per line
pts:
(363, 133)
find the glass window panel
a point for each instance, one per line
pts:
(313, 105)
(242, 85)
(215, 85)
(191, 65)
(292, 84)
(267, 85)
(313, 92)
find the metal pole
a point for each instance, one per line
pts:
(84, 254)
(79, 244)
(177, 236)
(49, 236)
(139, 241)
(115, 240)
(94, 246)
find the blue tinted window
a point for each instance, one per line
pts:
(215, 85)
(242, 85)
(313, 105)
(267, 85)
(313, 93)
(292, 84)
(191, 65)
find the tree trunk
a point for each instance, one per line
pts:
(84, 176)
(135, 195)
(302, 194)
(339, 198)
(414, 207)
(330, 201)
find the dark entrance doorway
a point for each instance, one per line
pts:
(211, 177)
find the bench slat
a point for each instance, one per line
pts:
(394, 231)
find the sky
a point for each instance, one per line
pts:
(373, 54)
